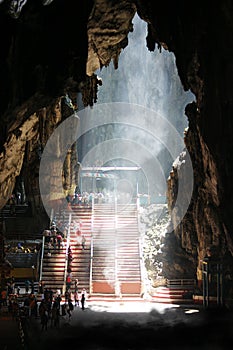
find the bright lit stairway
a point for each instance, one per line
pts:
(81, 257)
(116, 269)
(128, 250)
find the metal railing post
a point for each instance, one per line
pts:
(66, 255)
(91, 258)
(205, 274)
(42, 258)
(219, 285)
(117, 284)
(140, 247)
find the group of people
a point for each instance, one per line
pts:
(51, 307)
(76, 282)
(77, 300)
(79, 199)
(86, 198)
(12, 288)
(53, 239)
(22, 247)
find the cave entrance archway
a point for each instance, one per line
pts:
(149, 79)
(137, 127)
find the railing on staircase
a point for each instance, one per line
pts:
(91, 243)
(117, 284)
(91, 266)
(140, 250)
(141, 264)
(187, 283)
(42, 258)
(43, 246)
(66, 254)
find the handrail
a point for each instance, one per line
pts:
(91, 266)
(66, 257)
(43, 245)
(143, 272)
(181, 282)
(91, 258)
(42, 258)
(117, 284)
(142, 266)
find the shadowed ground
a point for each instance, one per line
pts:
(144, 326)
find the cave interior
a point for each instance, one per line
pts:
(52, 49)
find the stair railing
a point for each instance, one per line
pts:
(66, 256)
(42, 258)
(91, 258)
(43, 245)
(142, 267)
(117, 283)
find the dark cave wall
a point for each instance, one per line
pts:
(44, 54)
(198, 38)
(41, 58)
(40, 51)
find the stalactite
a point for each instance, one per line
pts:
(89, 89)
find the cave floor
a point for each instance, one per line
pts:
(130, 325)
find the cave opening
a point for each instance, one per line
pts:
(137, 123)
(140, 122)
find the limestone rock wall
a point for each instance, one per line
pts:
(200, 53)
(23, 148)
(108, 27)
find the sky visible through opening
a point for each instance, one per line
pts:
(149, 82)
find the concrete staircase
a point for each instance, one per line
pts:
(170, 296)
(55, 266)
(16, 210)
(177, 291)
(103, 249)
(116, 266)
(110, 264)
(128, 250)
(81, 257)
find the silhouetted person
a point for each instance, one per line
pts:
(70, 307)
(76, 298)
(83, 298)
(27, 284)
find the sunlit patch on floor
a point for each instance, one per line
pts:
(130, 307)
(191, 311)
